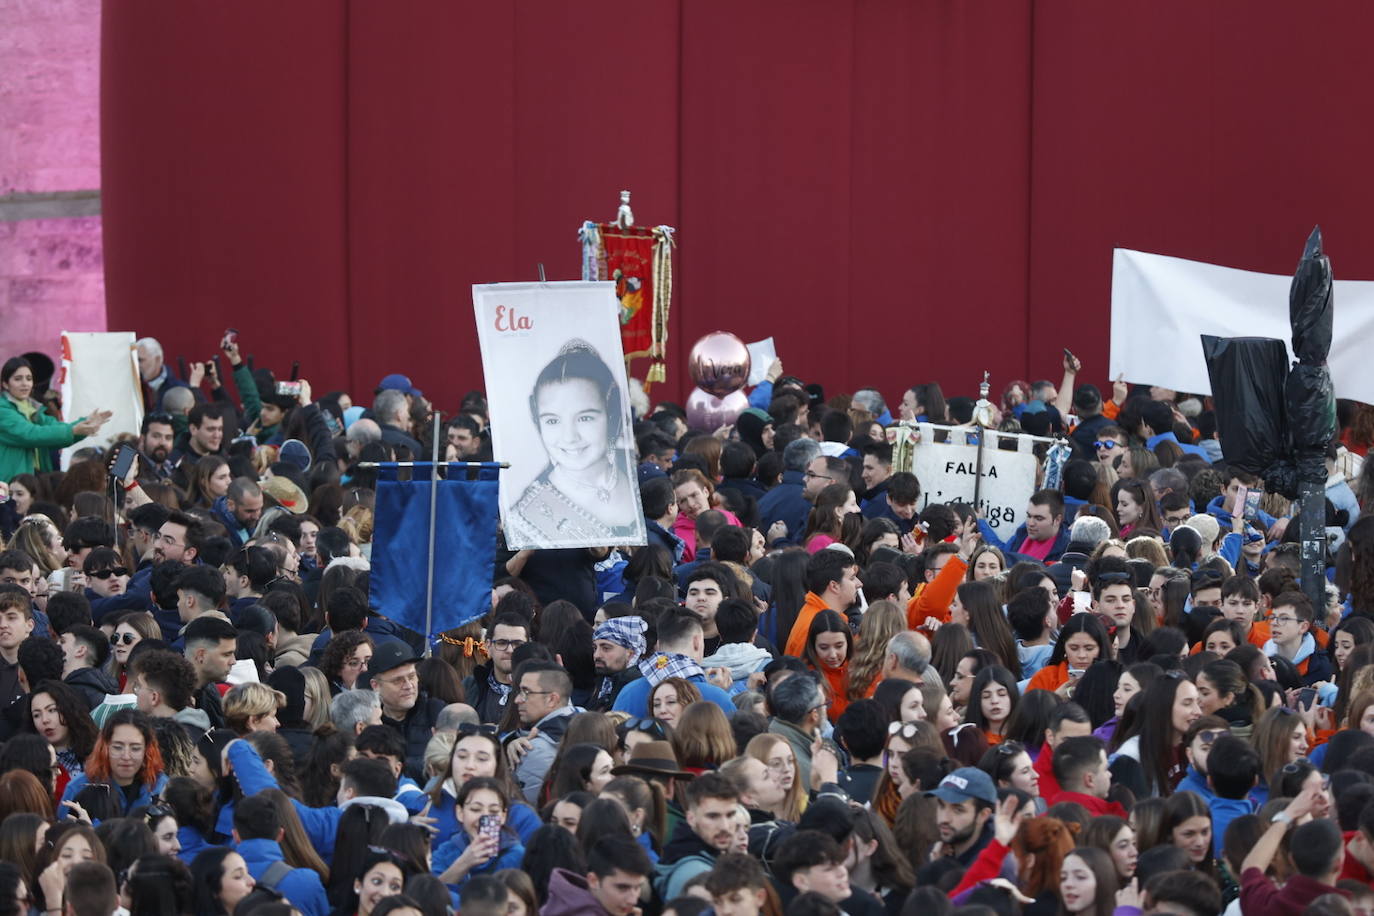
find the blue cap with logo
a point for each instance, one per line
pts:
(966, 783)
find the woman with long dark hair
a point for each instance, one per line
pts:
(829, 647)
(1082, 641)
(835, 518)
(58, 713)
(788, 591)
(160, 884)
(221, 879)
(1087, 883)
(980, 606)
(1153, 762)
(992, 699)
(582, 768)
(1129, 682)
(1135, 506)
(1188, 826)
(29, 435)
(1224, 690)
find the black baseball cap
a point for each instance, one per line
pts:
(388, 656)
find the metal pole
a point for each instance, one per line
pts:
(433, 509)
(978, 480)
(1312, 532)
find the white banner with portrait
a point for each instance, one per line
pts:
(560, 414)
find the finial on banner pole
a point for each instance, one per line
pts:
(624, 216)
(541, 273)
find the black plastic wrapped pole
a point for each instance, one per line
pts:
(1311, 407)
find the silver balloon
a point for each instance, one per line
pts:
(707, 413)
(719, 363)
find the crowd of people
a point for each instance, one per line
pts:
(814, 691)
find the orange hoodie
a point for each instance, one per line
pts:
(1259, 635)
(796, 640)
(932, 599)
(838, 679)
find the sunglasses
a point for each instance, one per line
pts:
(127, 639)
(653, 726)
(467, 729)
(1109, 443)
(112, 571)
(907, 730)
(1113, 578)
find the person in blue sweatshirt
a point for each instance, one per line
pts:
(257, 837)
(1233, 774)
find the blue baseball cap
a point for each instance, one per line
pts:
(399, 383)
(966, 783)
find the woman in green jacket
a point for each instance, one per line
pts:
(28, 434)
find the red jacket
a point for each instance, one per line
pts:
(1044, 765)
(1096, 806)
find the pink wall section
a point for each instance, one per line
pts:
(51, 270)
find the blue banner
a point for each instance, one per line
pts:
(464, 545)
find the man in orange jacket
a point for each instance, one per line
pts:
(832, 581)
(945, 568)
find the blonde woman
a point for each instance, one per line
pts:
(38, 537)
(317, 697)
(776, 753)
(253, 708)
(882, 621)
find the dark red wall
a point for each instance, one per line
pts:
(897, 190)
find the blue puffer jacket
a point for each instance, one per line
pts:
(144, 797)
(511, 854)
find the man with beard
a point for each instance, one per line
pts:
(965, 799)
(239, 509)
(488, 689)
(706, 832)
(618, 645)
(156, 438)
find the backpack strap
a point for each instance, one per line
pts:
(274, 875)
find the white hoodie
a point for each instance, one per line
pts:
(394, 810)
(741, 658)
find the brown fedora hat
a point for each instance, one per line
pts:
(652, 758)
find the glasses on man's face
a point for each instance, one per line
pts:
(507, 645)
(1284, 620)
(1208, 738)
(812, 475)
(525, 693)
(112, 571)
(401, 680)
(1106, 444)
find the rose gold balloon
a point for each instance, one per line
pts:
(719, 363)
(708, 413)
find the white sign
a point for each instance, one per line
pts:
(1161, 306)
(761, 356)
(100, 372)
(560, 414)
(948, 472)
